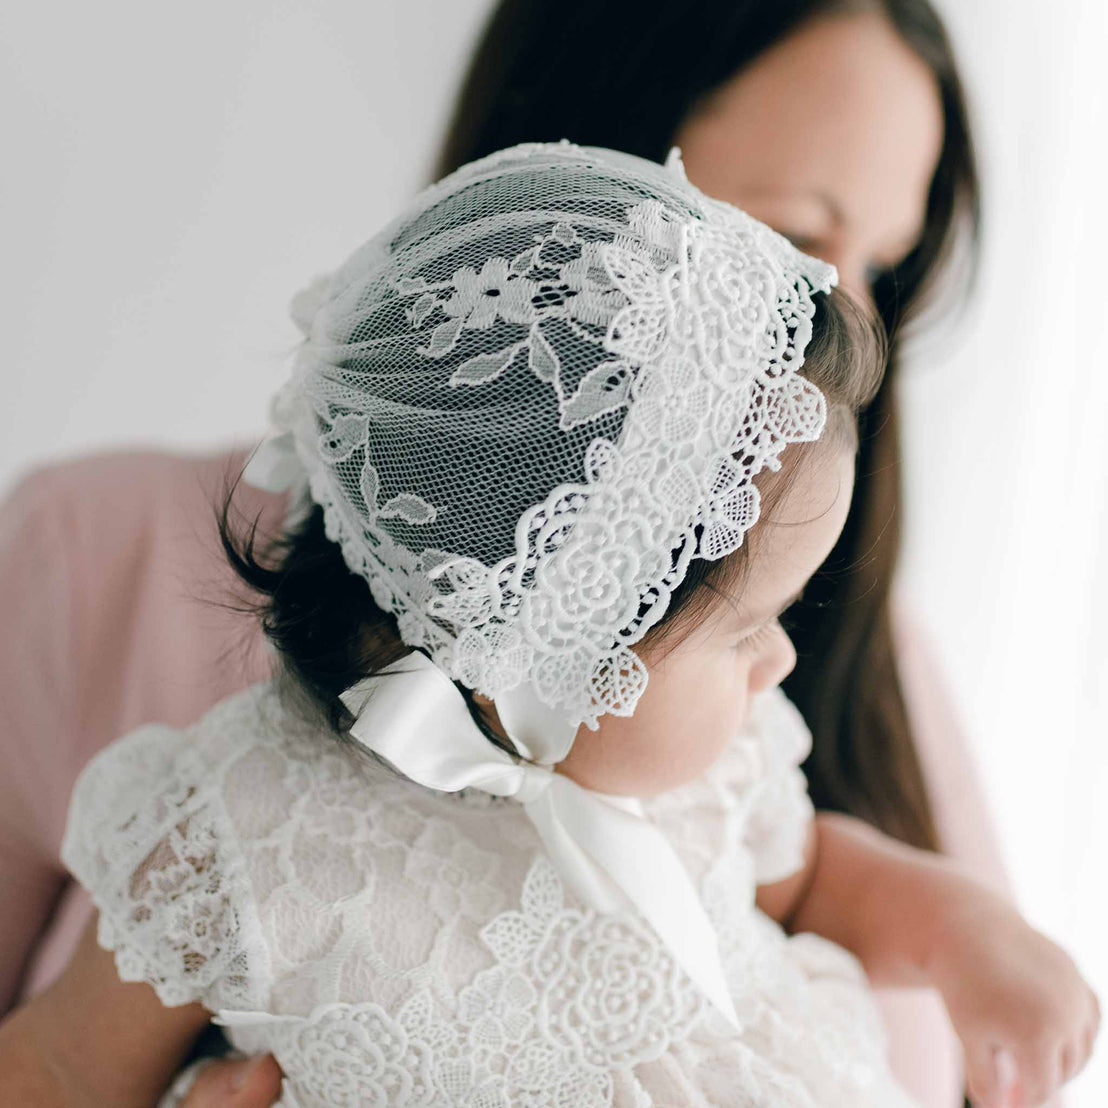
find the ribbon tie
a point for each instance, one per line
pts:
(603, 846)
(274, 466)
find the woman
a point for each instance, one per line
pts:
(880, 188)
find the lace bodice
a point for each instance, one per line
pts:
(396, 946)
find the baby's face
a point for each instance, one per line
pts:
(700, 686)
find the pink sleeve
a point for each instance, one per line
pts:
(924, 1051)
(112, 568)
(962, 815)
(36, 668)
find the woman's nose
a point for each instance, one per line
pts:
(854, 274)
(858, 286)
(774, 664)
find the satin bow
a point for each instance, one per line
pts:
(274, 466)
(603, 846)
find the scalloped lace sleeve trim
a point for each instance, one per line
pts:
(781, 810)
(148, 838)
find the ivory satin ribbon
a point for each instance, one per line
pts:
(603, 846)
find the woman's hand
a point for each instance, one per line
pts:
(236, 1083)
(1017, 1001)
(1025, 1015)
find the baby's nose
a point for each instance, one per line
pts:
(774, 664)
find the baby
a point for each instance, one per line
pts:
(523, 822)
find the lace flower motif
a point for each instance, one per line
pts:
(612, 997)
(480, 298)
(462, 878)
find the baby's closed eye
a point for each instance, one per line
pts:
(760, 635)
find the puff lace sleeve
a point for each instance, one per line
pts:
(148, 837)
(780, 810)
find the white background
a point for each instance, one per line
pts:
(173, 174)
(1007, 506)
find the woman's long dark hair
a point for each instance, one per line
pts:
(625, 74)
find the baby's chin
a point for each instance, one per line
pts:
(597, 765)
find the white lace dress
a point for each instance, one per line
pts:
(395, 946)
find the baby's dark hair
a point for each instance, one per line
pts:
(328, 631)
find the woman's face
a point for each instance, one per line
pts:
(831, 137)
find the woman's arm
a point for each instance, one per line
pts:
(923, 1048)
(915, 919)
(91, 1040)
(885, 902)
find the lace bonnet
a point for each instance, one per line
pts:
(527, 403)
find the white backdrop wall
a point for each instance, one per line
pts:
(1007, 449)
(173, 175)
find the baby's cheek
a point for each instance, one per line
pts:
(710, 712)
(692, 707)
(730, 719)
(737, 709)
